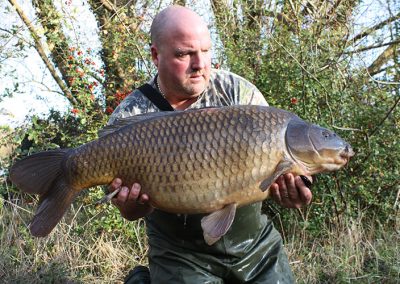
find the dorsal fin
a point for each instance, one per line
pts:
(124, 121)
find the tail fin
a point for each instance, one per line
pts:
(52, 207)
(36, 173)
(42, 174)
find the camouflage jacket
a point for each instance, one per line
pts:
(225, 88)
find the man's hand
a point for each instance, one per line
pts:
(290, 191)
(130, 202)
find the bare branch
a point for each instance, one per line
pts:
(282, 18)
(106, 4)
(375, 28)
(179, 2)
(373, 47)
(382, 59)
(391, 109)
(40, 49)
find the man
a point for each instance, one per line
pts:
(252, 250)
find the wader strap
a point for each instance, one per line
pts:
(155, 97)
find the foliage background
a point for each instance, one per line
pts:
(305, 56)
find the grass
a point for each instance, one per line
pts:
(353, 252)
(93, 245)
(77, 251)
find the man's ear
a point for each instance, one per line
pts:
(154, 55)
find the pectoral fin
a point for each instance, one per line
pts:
(283, 167)
(218, 223)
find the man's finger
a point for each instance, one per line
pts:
(292, 193)
(274, 189)
(144, 198)
(122, 195)
(304, 191)
(115, 184)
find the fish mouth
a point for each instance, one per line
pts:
(346, 154)
(330, 161)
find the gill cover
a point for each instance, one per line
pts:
(298, 139)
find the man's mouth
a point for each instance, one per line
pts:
(196, 77)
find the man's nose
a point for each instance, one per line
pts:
(198, 61)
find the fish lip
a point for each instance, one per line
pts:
(346, 154)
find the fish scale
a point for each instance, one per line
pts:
(210, 160)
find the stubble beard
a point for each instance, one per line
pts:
(191, 90)
(194, 89)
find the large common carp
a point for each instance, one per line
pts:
(210, 160)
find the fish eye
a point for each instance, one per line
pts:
(325, 134)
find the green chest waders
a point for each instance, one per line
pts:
(250, 252)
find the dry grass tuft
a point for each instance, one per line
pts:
(352, 252)
(65, 256)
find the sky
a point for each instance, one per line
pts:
(38, 90)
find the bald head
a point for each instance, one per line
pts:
(181, 51)
(173, 19)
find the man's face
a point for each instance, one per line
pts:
(183, 60)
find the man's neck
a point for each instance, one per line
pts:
(176, 102)
(181, 104)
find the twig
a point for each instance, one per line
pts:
(372, 47)
(16, 206)
(384, 82)
(385, 117)
(375, 28)
(397, 199)
(359, 277)
(346, 128)
(108, 197)
(129, 33)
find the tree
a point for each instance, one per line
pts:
(305, 56)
